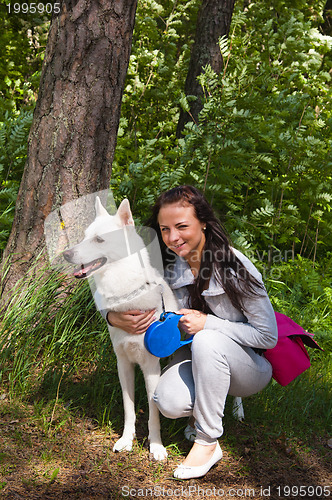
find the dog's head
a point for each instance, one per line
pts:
(104, 240)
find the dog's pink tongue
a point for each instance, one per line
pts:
(78, 273)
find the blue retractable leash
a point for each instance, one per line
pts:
(163, 336)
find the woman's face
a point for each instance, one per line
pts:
(181, 231)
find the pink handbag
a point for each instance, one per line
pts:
(289, 358)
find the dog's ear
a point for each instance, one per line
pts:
(124, 213)
(100, 210)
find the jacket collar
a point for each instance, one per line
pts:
(180, 275)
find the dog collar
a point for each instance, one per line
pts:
(136, 293)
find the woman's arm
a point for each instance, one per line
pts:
(261, 329)
(135, 322)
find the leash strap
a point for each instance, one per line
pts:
(162, 298)
(148, 281)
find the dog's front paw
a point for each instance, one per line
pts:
(158, 451)
(123, 444)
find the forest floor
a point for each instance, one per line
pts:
(77, 462)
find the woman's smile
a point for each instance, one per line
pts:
(176, 247)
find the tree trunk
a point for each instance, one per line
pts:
(326, 27)
(214, 20)
(73, 135)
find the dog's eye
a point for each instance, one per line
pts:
(99, 239)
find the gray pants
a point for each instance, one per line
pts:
(197, 381)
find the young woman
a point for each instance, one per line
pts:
(224, 305)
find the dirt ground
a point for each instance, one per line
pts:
(77, 462)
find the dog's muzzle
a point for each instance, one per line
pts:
(85, 269)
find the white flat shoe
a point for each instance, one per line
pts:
(186, 472)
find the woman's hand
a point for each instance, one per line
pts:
(192, 321)
(135, 322)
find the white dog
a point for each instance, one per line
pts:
(115, 255)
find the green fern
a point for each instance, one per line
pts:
(14, 132)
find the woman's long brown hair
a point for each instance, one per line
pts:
(217, 255)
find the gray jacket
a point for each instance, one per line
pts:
(255, 327)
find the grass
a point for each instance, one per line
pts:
(57, 365)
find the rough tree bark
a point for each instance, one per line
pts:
(213, 21)
(73, 135)
(326, 27)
